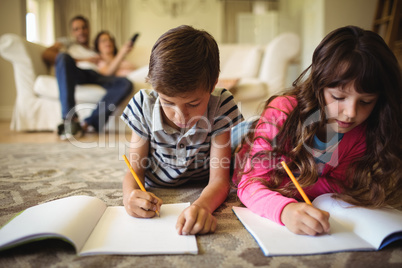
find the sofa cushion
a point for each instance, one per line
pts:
(279, 53)
(249, 89)
(239, 61)
(138, 77)
(46, 86)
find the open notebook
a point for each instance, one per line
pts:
(93, 228)
(352, 229)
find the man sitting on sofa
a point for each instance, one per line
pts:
(76, 64)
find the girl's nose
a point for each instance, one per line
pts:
(350, 109)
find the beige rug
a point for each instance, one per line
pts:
(31, 174)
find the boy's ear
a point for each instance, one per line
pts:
(216, 82)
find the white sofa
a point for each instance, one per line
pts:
(37, 106)
(259, 71)
(262, 70)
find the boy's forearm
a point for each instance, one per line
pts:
(217, 190)
(213, 195)
(129, 184)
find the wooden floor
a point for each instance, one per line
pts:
(9, 136)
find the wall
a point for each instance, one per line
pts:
(313, 24)
(12, 20)
(313, 19)
(358, 12)
(322, 16)
(294, 15)
(151, 21)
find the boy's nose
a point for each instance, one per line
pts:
(182, 116)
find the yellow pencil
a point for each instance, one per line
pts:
(136, 177)
(303, 194)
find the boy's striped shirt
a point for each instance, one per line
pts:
(174, 156)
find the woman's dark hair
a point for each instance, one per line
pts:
(96, 41)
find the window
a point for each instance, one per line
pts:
(31, 21)
(39, 21)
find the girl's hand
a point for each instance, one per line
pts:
(141, 204)
(301, 218)
(195, 220)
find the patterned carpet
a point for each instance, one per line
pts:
(31, 174)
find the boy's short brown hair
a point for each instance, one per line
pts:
(182, 60)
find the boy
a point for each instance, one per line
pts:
(181, 130)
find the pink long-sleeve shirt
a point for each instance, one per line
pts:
(269, 204)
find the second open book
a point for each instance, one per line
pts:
(93, 228)
(352, 229)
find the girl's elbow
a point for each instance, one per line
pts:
(240, 192)
(241, 189)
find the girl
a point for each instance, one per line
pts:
(111, 61)
(339, 131)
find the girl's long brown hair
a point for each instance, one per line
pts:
(346, 55)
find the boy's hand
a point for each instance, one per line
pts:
(301, 218)
(142, 204)
(195, 220)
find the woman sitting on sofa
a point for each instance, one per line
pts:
(112, 62)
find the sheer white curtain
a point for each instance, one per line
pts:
(102, 15)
